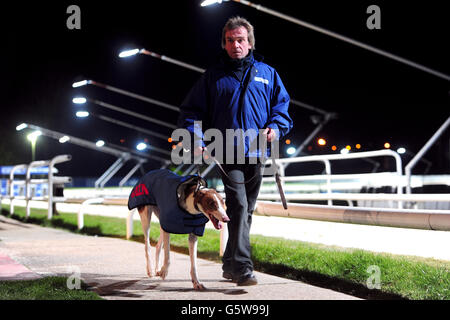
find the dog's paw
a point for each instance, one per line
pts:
(163, 272)
(198, 286)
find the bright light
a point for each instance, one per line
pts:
(100, 143)
(387, 145)
(141, 146)
(288, 141)
(34, 135)
(348, 147)
(21, 126)
(401, 150)
(209, 2)
(321, 142)
(358, 146)
(290, 150)
(79, 100)
(64, 139)
(345, 151)
(82, 114)
(128, 53)
(170, 140)
(80, 83)
(334, 148)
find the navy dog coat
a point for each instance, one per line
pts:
(160, 188)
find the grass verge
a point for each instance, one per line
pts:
(48, 288)
(344, 270)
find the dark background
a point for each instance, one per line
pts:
(376, 99)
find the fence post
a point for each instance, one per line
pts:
(55, 160)
(130, 223)
(11, 185)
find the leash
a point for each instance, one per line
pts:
(277, 176)
(228, 177)
(279, 185)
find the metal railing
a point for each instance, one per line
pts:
(29, 182)
(325, 159)
(422, 151)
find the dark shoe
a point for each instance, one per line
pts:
(229, 276)
(248, 279)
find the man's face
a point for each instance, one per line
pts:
(236, 43)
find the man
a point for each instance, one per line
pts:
(239, 92)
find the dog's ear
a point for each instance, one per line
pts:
(191, 188)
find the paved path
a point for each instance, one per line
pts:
(399, 241)
(116, 268)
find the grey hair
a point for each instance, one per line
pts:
(236, 22)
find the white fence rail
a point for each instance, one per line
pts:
(411, 218)
(28, 182)
(339, 182)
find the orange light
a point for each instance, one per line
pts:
(321, 142)
(358, 146)
(170, 139)
(387, 145)
(174, 146)
(288, 141)
(334, 148)
(348, 147)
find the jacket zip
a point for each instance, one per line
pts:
(243, 88)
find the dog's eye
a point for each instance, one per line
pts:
(212, 203)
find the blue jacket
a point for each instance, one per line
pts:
(221, 100)
(159, 187)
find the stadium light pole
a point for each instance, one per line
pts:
(78, 114)
(333, 35)
(83, 100)
(125, 92)
(32, 137)
(132, 52)
(108, 148)
(123, 124)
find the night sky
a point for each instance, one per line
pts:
(376, 99)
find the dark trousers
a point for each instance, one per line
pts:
(240, 201)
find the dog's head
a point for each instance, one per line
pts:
(211, 203)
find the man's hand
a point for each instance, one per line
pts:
(270, 134)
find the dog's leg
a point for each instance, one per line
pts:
(146, 215)
(158, 250)
(193, 256)
(166, 244)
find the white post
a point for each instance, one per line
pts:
(11, 185)
(55, 160)
(130, 223)
(223, 238)
(80, 216)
